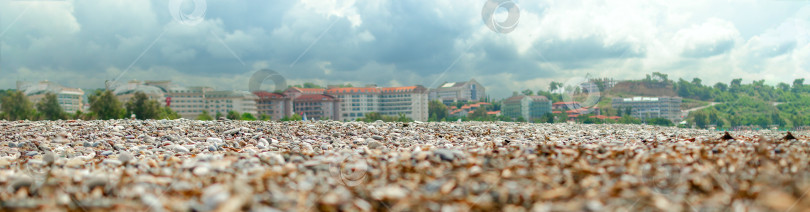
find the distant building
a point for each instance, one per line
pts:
(225, 101)
(566, 106)
(317, 106)
(190, 102)
(275, 105)
(70, 99)
(651, 107)
(302, 91)
(465, 109)
(411, 101)
(346, 104)
(356, 102)
(528, 107)
(126, 91)
(450, 92)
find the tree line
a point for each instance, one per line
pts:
(103, 105)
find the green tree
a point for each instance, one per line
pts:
(370, 117)
(248, 117)
(204, 116)
(798, 85)
(783, 86)
(701, 118)
(143, 107)
(168, 113)
(735, 84)
(78, 115)
(479, 114)
(527, 92)
(233, 115)
(660, 122)
(437, 110)
(105, 106)
(554, 86)
(49, 108)
(264, 117)
(218, 115)
(16, 106)
(721, 86)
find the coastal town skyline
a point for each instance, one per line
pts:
(70, 42)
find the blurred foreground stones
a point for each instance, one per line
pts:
(186, 165)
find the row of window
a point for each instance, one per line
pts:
(309, 103)
(353, 115)
(187, 97)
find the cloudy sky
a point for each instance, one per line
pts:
(82, 43)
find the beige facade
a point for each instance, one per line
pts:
(70, 99)
(412, 101)
(275, 105)
(651, 107)
(190, 102)
(527, 107)
(450, 92)
(224, 101)
(126, 91)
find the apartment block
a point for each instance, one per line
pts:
(356, 102)
(70, 99)
(317, 106)
(411, 101)
(527, 107)
(450, 92)
(275, 105)
(651, 107)
(224, 101)
(190, 102)
(126, 91)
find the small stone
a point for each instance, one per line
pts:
(49, 158)
(213, 140)
(107, 153)
(31, 153)
(377, 137)
(125, 157)
(180, 149)
(201, 170)
(445, 154)
(374, 145)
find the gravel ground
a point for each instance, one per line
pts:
(186, 165)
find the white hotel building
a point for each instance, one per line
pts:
(412, 101)
(190, 102)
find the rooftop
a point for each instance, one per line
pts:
(314, 97)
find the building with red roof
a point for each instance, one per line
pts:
(317, 106)
(465, 109)
(275, 105)
(565, 106)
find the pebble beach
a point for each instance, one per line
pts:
(189, 165)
